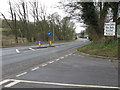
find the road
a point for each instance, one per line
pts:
(56, 67)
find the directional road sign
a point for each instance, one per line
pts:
(109, 29)
(49, 33)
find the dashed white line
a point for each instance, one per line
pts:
(35, 69)
(70, 54)
(12, 83)
(57, 59)
(51, 62)
(61, 57)
(17, 51)
(21, 74)
(44, 65)
(66, 55)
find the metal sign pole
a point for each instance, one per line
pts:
(50, 38)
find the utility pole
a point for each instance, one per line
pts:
(53, 34)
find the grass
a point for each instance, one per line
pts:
(101, 49)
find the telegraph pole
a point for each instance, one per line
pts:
(53, 34)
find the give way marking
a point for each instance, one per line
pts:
(14, 82)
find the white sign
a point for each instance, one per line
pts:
(109, 29)
(109, 17)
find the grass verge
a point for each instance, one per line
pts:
(101, 49)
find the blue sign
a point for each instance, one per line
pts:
(49, 33)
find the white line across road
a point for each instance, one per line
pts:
(58, 84)
(12, 84)
(4, 81)
(21, 74)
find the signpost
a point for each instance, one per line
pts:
(50, 42)
(109, 29)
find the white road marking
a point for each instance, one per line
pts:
(44, 65)
(21, 74)
(12, 83)
(35, 69)
(51, 62)
(4, 81)
(32, 49)
(61, 57)
(59, 84)
(57, 59)
(17, 51)
(70, 54)
(66, 55)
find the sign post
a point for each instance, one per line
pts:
(50, 42)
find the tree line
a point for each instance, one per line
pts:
(93, 14)
(21, 26)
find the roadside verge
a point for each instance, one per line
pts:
(100, 50)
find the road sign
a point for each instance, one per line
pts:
(109, 29)
(49, 33)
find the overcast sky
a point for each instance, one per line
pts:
(49, 4)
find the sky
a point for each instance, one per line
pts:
(50, 8)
